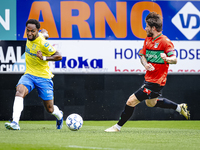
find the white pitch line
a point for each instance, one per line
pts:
(75, 146)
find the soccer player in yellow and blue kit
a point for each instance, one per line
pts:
(37, 75)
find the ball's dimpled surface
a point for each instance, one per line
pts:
(74, 122)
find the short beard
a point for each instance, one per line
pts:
(32, 38)
(150, 35)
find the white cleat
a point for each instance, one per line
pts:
(184, 111)
(112, 129)
(12, 126)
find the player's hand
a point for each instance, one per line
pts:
(45, 33)
(149, 67)
(39, 54)
(163, 56)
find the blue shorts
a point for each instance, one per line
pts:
(44, 86)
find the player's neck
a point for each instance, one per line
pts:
(37, 36)
(156, 34)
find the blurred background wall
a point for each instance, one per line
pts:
(101, 97)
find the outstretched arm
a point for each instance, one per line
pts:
(147, 66)
(55, 57)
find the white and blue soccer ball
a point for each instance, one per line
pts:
(74, 122)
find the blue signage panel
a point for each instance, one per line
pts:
(109, 19)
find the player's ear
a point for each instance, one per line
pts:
(154, 28)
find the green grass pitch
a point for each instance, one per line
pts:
(135, 135)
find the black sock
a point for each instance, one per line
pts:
(126, 114)
(165, 103)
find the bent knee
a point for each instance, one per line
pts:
(21, 91)
(50, 110)
(150, 103)
(129, 102)
(132, 101)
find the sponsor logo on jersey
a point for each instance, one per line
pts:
(156, 45)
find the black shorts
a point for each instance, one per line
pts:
(148, 91)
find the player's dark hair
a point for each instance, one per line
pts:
(154, 19)
(34, 21)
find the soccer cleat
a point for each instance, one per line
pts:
(112, 129)
(12, 126)
(59, 123)
(184, 111)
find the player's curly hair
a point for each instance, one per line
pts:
(34, 21)
(154, 19)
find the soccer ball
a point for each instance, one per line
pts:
(74, 122)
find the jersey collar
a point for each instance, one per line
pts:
(156, 37)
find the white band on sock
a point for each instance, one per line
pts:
(18, 106)
(118, 126)
(178, 108)
(57, 113)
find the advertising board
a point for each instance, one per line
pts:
(109, 19)
(99, 36)
(99, 57)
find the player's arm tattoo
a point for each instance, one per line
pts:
(147, 66)
(143, 60)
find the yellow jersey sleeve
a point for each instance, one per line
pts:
(34, 65)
